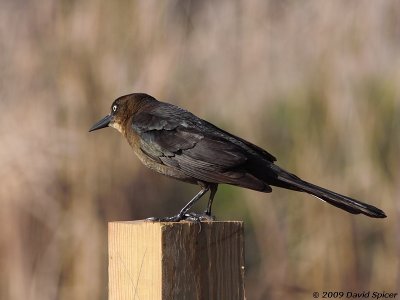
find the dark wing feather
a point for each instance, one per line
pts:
(179, 139)
(253, 148)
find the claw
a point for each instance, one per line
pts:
(176, 218)
(198, 218)
(202, 217)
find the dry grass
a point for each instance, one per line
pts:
(314, 82)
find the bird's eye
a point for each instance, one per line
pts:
(114, 108)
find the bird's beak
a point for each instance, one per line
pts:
(102, 123)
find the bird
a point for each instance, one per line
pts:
(174, 142)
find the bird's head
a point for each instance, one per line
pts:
(122, 109)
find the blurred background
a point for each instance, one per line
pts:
(316, 83)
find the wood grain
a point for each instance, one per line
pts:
(176, 260)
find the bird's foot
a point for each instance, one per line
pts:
(176, 218)
(199, 217)
(190, 217)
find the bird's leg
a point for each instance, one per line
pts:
(193, 201)
(183, 213)
(213, 191)
(206, 215)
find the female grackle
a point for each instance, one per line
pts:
(176, 143)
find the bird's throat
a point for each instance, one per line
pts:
(117, 126)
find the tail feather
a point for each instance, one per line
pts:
(343, 202)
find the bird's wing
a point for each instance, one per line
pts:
(179, 139)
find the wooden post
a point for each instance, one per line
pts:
(153, 260)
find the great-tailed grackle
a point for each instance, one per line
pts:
(176, 143)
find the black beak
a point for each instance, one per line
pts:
(102, 123)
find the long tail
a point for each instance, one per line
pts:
(291, 181)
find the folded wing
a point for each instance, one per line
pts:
(171, 137)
